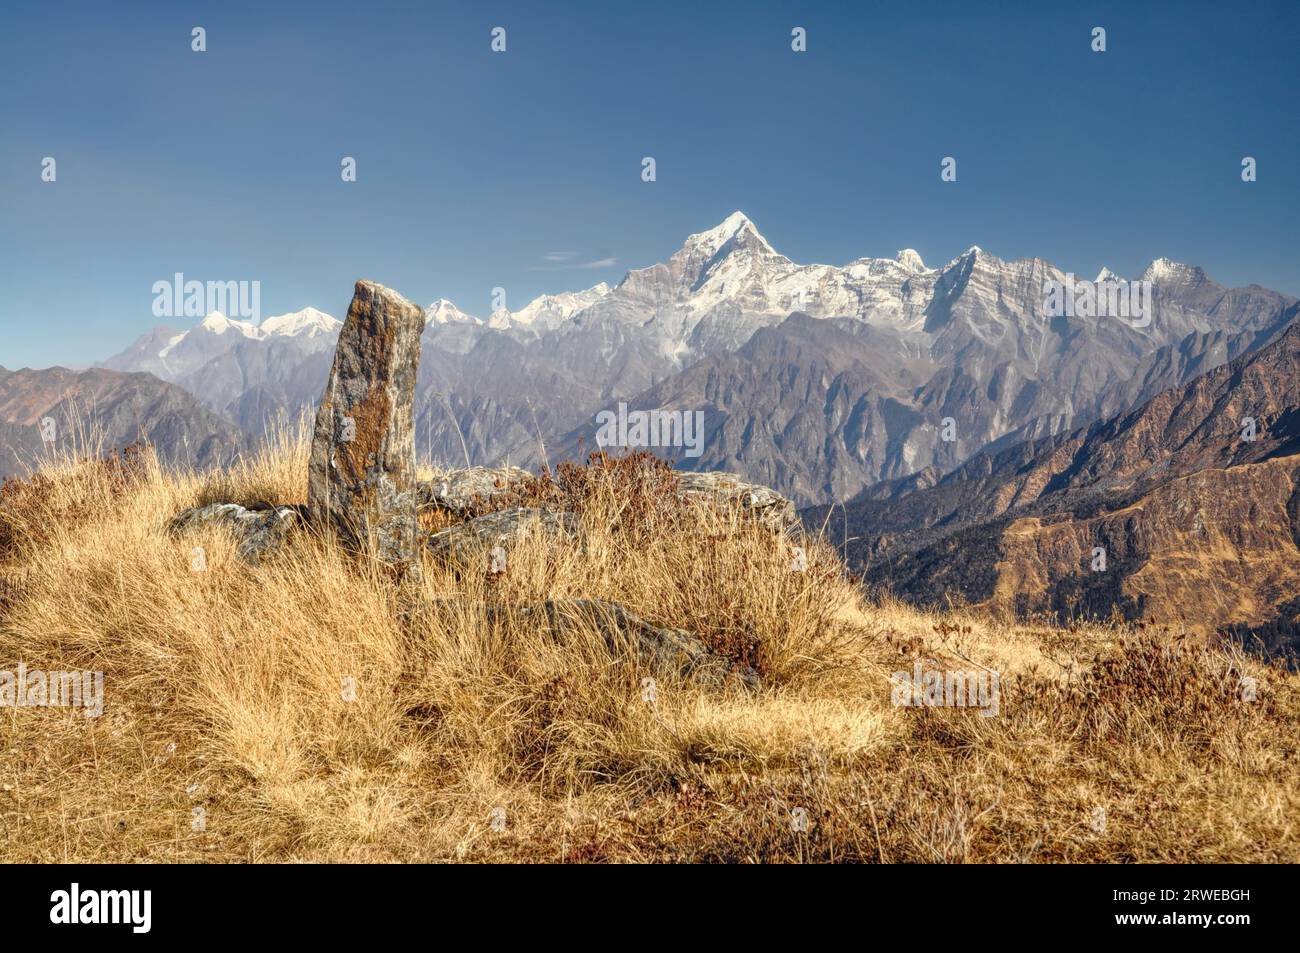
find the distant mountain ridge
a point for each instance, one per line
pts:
(110, 407)
(1192, 501)
(819, 380)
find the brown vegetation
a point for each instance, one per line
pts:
(225, 689)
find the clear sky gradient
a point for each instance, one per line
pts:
(474, 166)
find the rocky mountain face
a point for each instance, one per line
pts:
(251, 375)
(930, 366)
(817, 407)
(1185, 510)
(72, 408)
(820, 380)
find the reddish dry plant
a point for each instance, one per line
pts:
(1173, 683)
(31, 506)
(644, 488)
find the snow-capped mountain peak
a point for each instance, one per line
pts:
(1167, 270)
(443, 311)
(734, 226)
(544, 312)
(550, 310)
(711, 325)
(910, 259)
(308, 321)
(217, 323)
(311, 328)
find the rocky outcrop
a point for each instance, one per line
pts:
(361, 479)
(256, 530)
(754, 500)
(464, 492)
(467, 543)
(470, 491)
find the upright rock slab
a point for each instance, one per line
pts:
(361, 479)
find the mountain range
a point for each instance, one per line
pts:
(955, 437)
(818, 380)
(47, 412)
(1183, 511)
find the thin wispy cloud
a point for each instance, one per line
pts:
(573, 266)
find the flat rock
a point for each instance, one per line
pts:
(361, 476)
(464, 492)
(467, 490)
(466, 542)
(762, 503)
(257, 530)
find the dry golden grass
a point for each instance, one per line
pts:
(224, 690)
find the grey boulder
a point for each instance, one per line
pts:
(755, 500)
(465, 491)
(255, 530)
(466, 543)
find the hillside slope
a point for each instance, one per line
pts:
(1195, 507)
(111, 410)
(310, 709)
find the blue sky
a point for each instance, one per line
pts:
(474, 166)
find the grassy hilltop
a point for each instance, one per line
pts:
(475, 735)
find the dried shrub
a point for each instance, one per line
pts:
(19, 499)
(1171, 686)
(636, 492)
(31, 508)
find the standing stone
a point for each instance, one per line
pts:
(361, 479)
